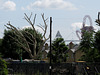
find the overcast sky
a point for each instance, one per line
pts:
(67, 14)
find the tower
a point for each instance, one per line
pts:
(58, 35)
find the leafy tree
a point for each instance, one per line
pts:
(87, 42)
(3, 64)
(91, 45)
(97, 44)
(9, 46)
(88, 46)
(59, 51)
(91, 56)
(97, 40)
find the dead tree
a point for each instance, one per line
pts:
(22, 40)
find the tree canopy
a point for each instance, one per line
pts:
(87, 41)
(8, 46)
(90, 46)
(11, 49)
(97, 40)
(59, 51)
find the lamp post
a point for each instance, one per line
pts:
(50, 67)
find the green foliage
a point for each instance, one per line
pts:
(97, 40)
(0, 48)
(91, 56)
(0, 55)
(90, 46)
(87, 42)
(3, 67)
(11, 49)
(8, 45)
(59, 51)
(0, 43)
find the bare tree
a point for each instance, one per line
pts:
(22, 40)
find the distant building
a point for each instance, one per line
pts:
(58, 35)
(74, 54)
(45, 52)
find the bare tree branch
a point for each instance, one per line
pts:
(34, 19)
(44, 26)
(30, 16)
(22, 41)
(41, 27)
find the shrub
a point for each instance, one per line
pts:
(3, 67)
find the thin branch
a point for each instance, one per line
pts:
(47, 38)
(34, 19)
(28, 20)
(41, 27)
(46, 20)
(18, 33)
(45, 25)
(31, 43)
(30, 16)
(30, 35)
(29, 38)
(20, 44)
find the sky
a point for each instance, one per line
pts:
(67, 15)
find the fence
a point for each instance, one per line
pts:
(57, 69)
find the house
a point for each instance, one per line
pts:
(74, 54)
(45, 52)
